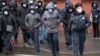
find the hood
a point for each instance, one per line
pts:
(41, 1)
(13, 3)
(24, 1)
(32, 7)
(70, 6)
(95, 2)
(68, 1)
(5, 8)
(50, 5)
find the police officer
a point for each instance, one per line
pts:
(95, 19)
(33, 21)
(23, 10)
(78, 25)
(9, 25)
(51, 19)
(14, 11)
(66, 17)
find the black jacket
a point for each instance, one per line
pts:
(79, 22)
(22, 12)
(9, 20)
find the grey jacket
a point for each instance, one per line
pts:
(32, 21)
(51, 20)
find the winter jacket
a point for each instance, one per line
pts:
(32, 21)
(79, 22)
(22, 12)
(51, 20)
(9, 22)
(67, 16)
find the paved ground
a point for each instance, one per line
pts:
(92, 47)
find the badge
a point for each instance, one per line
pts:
(83, 17)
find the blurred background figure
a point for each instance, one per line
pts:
(65, 19)
(95, 19)
(23, 10)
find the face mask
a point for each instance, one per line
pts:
(36, 7)
(24, 5)
(79, 10)
(70, 10)
(3, 3)
(94, 5)
(50, 10)
(32, 11)
(39, 3)
(55, 5)
(6, 12)
(12, 8)
(31, 2)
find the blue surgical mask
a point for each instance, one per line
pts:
(50, 10)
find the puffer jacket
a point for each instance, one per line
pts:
(33, 21)
(79, 22)
(51, 20)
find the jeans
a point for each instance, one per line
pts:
(53, 41)
(78, 41)
(68, 39)
(34, 36)
(25, 36)
(7, 43)
(42, 32)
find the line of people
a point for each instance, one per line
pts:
(39, 20)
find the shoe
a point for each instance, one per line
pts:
(57, 54)
(26, 45)
(70, 47)
(76, 54)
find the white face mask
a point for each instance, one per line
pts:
(6, 12)
(24, 5)
(32, 11)
(3, 3)
(55, 5)
(79, 10)
(39, 3)
(94, 5)
(36, 7)
(50, 10)
(70, 10)
(31, 1)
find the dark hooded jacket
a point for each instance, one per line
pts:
(9, 22)
(79, 22)
(14, 10)
(21, 14)
(67, 16)
(95, 12)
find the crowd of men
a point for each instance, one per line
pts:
(39, 20)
